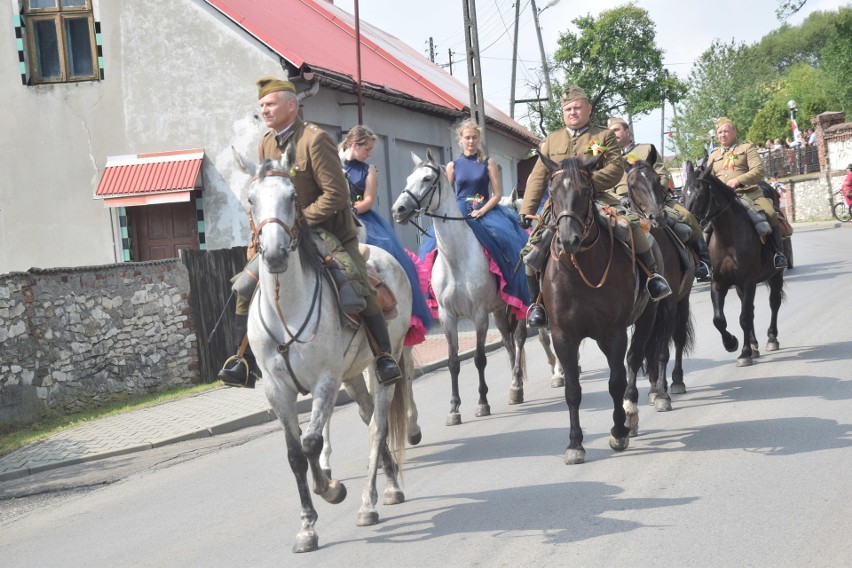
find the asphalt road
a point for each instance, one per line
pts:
(751, 468)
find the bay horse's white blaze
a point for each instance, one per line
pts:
(463, 285)
(301, 343)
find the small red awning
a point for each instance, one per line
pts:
(149, 179)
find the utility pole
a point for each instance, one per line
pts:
(514, 60)
(358, 87)
(663, 119)
(544, 67)
(474, 74)
(450, 55)
(431, 50)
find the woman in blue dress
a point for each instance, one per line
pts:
(355, 149)
(476, 180)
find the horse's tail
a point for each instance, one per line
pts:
(663, 330)
(398, 412)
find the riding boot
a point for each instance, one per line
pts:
(536, 316)
(387, 370)
(237, 371)
(779, 259)
(704, 268)
(656, 285)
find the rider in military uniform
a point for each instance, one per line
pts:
(323, 194)
(580, 139)
(738, 166)
(674, 210)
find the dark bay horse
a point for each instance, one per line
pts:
(739, 259)
(592, 289)
(673, 323)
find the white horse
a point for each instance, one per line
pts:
(462, 282)
(294, 321)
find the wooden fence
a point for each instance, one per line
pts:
(210, 275)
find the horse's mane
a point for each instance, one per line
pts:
(572, 168)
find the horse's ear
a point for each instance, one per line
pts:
(548, 163)
(652, 155)
(429, 156)
(416, 159)
(628, 165)
(246, 165)
(592, 163)
(288, 157)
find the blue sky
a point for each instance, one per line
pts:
(684, 30)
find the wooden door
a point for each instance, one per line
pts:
(160, 231)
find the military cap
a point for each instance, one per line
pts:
(617, 120)
(574, 93)
(724, 120)
(268, 85)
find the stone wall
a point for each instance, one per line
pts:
(810, 197)
(76, 338)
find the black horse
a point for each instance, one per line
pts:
(739, 257)
(673, 323)
(592, 289)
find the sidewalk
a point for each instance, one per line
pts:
(207, 414)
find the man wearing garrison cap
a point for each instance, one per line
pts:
(580, 139)
(675, 212)
(738, 165)
(323, 193)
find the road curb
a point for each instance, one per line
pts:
(303, 406)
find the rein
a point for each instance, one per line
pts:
(586, 223)
(709, 215)
(430, 194)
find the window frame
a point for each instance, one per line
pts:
(59, 15)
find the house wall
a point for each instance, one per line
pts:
(177, 75)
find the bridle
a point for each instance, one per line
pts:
(428, 196)
(713, 209)
(656, 195)
(292, 232)
(293, 338)
(586, 223)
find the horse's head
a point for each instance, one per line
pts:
(573, 199)
(275, 212)
(645, 190)
(422, 189)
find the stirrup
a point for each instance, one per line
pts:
(705, 276)
(392, 371)
(664, 293)
(231, 378)
(779, 260)
(532, 324)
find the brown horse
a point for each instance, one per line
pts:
(592, 289)
(673, 323)
(739, 259)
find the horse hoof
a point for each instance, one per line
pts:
(415, 438)
(516, 395)
(336, 492)
(731, 346)
(574, 457)
(754, 353)
(557, 382)
(367, 519)
(663, 404)
(453, 419)
(677, 388)
(744, 362)
(632, 424)
(393, 496)
(306, 541)
(772, 346)
(619, 444)
(326, 472)
(652, 396)
(483, 410)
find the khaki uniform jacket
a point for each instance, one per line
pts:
(641, 151)
(319, 180)
(747, 166)
(559, 146)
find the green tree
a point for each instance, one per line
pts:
(726, 80)
(615, 59)
(787, 8)
(836, 60)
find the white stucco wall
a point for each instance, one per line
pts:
(178, 75)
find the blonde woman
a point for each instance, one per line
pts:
(355, 150)
(476, 180)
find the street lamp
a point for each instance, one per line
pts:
(545, 69)
(791, 104)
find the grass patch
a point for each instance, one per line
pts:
(14, 437)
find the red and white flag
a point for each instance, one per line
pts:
(796, 134)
